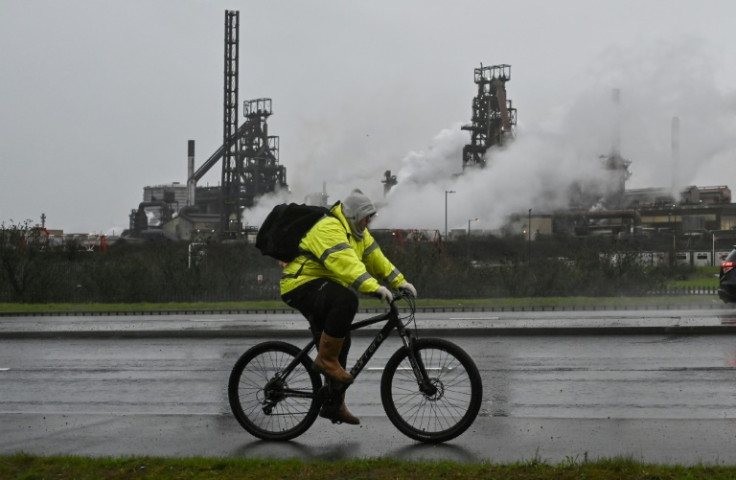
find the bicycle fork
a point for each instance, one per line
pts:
(426, 386)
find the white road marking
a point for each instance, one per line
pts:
(474, 318)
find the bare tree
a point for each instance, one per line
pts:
(20, 248)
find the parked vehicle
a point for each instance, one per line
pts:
(727, 283)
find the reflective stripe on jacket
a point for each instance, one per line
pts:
(332, 252)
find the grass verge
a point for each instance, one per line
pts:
(690, 300)
(69, 467)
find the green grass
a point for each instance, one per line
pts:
(68, 467)
(364, 302)
(127, 307)
(695, 283)
(702, 277)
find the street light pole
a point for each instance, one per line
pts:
(529, 240)
(446, 193)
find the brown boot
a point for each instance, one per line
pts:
(341, 415)
(326, 361)
(344, 415)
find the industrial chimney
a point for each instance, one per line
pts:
(191, 182)
(676, 187)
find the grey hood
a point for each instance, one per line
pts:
(356, 207)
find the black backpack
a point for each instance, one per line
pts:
(284, 228)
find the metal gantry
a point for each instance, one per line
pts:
(230, 223)
(493, 116)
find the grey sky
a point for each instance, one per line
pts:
(98, 98)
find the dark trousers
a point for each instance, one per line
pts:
(329, 307)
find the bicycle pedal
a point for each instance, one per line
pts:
(330, 413)
(333, 419)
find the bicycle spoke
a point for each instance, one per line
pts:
(267, 402)
(451, 405)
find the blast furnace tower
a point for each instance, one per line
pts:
(250, 156)
(493, 117)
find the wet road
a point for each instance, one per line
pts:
(654, 397)
(649, 376)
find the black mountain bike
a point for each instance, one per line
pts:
(431, 389)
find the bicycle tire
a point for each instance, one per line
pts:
(444, 415)
(249, 390)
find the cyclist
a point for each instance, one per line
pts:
(339, 254)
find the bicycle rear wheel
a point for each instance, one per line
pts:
(269, 403)
(452, 405)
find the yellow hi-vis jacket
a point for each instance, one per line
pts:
(332, 252)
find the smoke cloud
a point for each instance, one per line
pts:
(551, 155)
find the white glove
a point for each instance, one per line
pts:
(409, 288)
(384, 294)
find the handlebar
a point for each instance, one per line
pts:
(401, 295)
(404, 317)
(397, 295)
(409, 300)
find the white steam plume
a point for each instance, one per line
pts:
(548, 156)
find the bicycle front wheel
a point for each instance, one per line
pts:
(270, 401)
(445, 410)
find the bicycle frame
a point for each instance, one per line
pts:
(392, 323)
